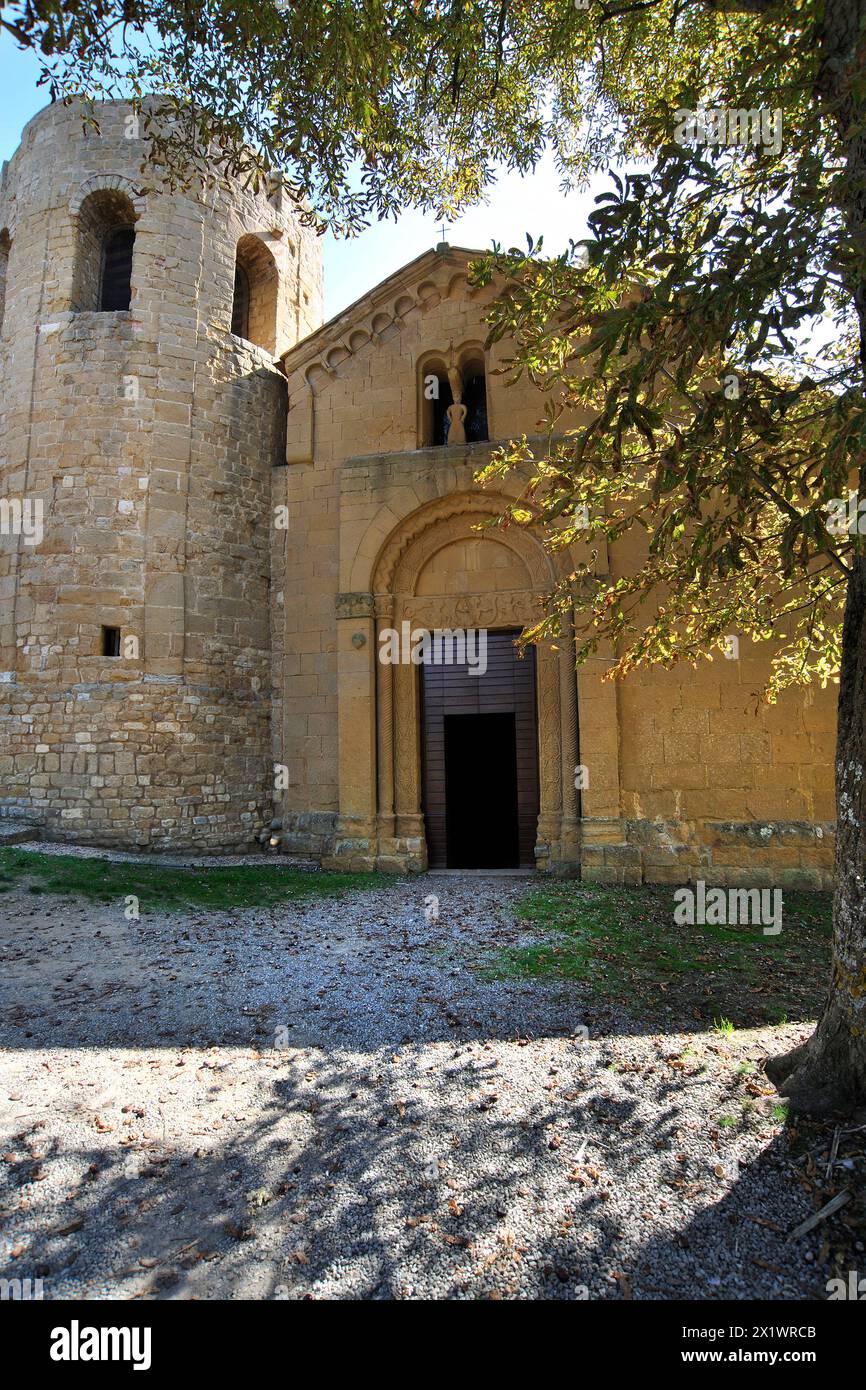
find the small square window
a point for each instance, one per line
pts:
(111, 641)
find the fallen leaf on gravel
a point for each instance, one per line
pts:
(73, 1226)
(239, 1232)
(762, 1221)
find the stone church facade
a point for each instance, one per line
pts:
(239, 503)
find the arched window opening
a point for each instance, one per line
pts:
(5, 244)
(116, 288)
(241, 303)
(256, 289)
(102, 277)
(453, 400)
(474, 396)
(435, 399)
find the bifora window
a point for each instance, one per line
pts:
(453, 399)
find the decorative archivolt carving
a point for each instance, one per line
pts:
(448, 533)
(473, 610)
(355, 605)
(464, 511)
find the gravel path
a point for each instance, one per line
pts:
(328, 1100)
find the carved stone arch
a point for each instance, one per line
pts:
(104, 212)
(480, 506)
(316, 376)
(336, 355)
(428, 294)
(458, 284)
(109, 183)
(462, 525)
(391, 582)
(256, 291)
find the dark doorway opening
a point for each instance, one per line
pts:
(463, 794)
(481, 791)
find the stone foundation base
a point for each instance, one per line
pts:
(138, 764)
(398, 855)
(743, 854)
(306, 833)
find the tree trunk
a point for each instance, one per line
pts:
(827, 1074)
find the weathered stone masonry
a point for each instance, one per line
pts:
(160, 444)
(150, 436)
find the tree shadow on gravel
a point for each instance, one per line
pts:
(396, 1149)
(366, 1177)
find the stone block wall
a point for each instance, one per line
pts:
(159, 446)
(149, 437)
(689, 775)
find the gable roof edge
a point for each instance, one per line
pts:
(311, 347)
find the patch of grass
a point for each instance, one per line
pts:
(625, 945)
(723, 1026)
(170, 888)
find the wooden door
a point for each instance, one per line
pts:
(492, 777)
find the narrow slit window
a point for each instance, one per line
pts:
(111, 641)
(474, 396)
(241, 303)
(4, 263)
(435, 399)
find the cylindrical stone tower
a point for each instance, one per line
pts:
(141, 416)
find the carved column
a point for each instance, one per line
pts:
(355, 845)
(570, 832)
(385, 722)
(549, 757)
(407, 748)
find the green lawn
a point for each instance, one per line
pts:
(624, 943)
(166, 887)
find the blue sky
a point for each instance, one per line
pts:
(514, 207)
